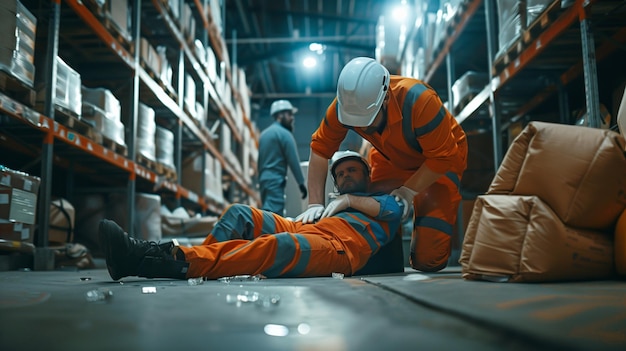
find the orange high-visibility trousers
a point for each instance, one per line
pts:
(247, 240)
(433, 224)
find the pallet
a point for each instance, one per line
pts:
(511, 54)
(168, 89)
(454, 21)
(451, 27)
(17, 90)
(168, 172)
(155, 77)
(112, 145)
(102, 14)
(543, 21)
(72, 121)
(122, 38)
(146, 162)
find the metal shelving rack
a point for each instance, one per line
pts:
(73, 29)
(563, 50)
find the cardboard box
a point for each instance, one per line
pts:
(103, 99)
(110, 128)
(18, 205)
(193, 176)
(118, 12)
(14, 14)
(150, 56)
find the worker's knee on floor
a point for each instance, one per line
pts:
(431, 261)
(428, 265)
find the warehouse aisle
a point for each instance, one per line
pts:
(51, 310)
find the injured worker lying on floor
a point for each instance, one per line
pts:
(247, 240)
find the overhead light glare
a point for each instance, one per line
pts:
(309, 62)
(400, 12)
(317, 48)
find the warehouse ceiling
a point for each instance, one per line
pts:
(270, 39)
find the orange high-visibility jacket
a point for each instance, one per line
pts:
(419, 131)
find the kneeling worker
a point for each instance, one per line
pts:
(246, 240)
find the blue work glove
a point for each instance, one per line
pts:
(303, 191)
(405, 195)
(339, 204)
(312, 214)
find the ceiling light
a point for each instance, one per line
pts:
(317, 48)
(309, 62)
(400, 12)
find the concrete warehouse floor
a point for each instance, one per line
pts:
(51, 311)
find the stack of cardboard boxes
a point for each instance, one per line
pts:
(102, 110)
(18, 205)
(17, 42)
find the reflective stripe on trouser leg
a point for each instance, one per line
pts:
(282, 254)
(433, 227)
(244, 222)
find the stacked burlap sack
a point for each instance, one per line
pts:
(551, 210)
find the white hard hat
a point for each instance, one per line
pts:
(341, 156)
(281, 105)
(361, 90)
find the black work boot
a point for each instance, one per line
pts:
(126, 256)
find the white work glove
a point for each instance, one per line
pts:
(337, 205)
(405, 195)
(312, 213)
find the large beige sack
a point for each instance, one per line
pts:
(520, 239)
(579, 172)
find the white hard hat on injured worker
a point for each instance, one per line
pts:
(342, 156)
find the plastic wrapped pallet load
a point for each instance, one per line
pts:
(101, 109)
(103, 99)
(68, 88)
(511, 19)
(165, 146)
(534, 8)
(470, 83)
(146, 131)
(110, 128)
(17, 44)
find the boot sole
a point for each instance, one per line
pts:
(107, 234)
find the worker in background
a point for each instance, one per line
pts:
(277, 150)
(419, 152)
(246, 240)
